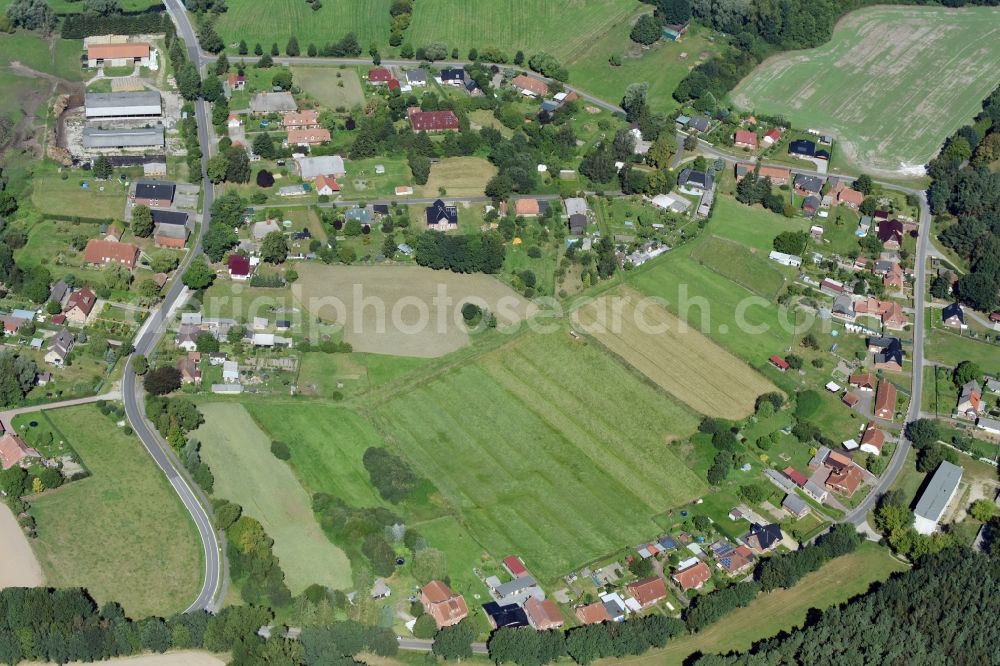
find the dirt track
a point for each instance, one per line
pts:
(20, 568)
(185, 658)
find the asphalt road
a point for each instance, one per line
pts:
(146, 341)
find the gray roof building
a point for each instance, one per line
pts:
(272, 102)
(418, 76)
(326, 165)
(795, 505)
(699, 179)
(808, 183)
(937, 495)
(780, 480)
(143, 137)
(143, 104)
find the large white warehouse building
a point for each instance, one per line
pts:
(144, 104)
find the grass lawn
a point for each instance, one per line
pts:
(749, 268)
(122, 533)
(879, 86)
(671, 354)
(331, 87)
(836, 582)
(944, 346)
(358, 373)
(246, 472)
(55, 196)
(564, 479)
(752, 226)
(459, 176)
(940, 394)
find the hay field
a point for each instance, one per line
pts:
(541, 460)
(246, 472)
(322, 84)
(395, 310)
(891, 84)
(676, 357)
(459, 176)
(749, 268)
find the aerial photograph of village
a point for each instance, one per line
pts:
(404, 332)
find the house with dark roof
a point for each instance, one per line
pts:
(890, 232)
(810, 205)
(79, 305)
(696, 180)
(888, 353)
(808, 184)
(953, 316)
(763, 538)
(442, 217)
(452, 76)
(154, 194)
(699, 123)
(239, 267)
(802, 148)
(59, 348)
(510, 615)
(577, 224)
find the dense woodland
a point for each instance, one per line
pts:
(965, 188)
(941, 612)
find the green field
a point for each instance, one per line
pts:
(122, 533)
(539, 462)
(751, 269)
(945, 346)
(55, 196)
(836, 582)
(890, 85)
(752, 226)
(331, 87)
(238, 452)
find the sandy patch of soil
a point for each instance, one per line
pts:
(19, 566)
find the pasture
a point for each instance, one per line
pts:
(677, 358)
(331, 87)
(538, 461)
(246, 472)
(458, 176)
(781, 610)
(402, 310)
(890, 85)
(122, 533)
(749, 268)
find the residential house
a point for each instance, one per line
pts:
(953, 316)
(416, 77)
(831, 287)
(779, 363)
(843, 307)
(508, 615)
(514, 566)
(361, 214)
(851, 399)
(890, 232)
(696, 180)
(577, 224)
(808, 185)
(890, 313)
(699, 124)
(735, 561)
(230, 372)
(379, 76)
(771, 137)
(264, 103)
(239, 267)
(154, 193)
(575, 206)
(872, 440)
(236, 82)
(797, 477)
(763, 538)
(594, 613)
(850, 198)
(441, 603)
(171, 236)
(810, 205)
(13, 450)
(442, 217)
(11, 324)
(380, 589)
(815, 491)
(432, 121)
(795, 505)
(936, 497)
(970, 401)
(59, 291)
(648, 591)
(863, 381)
(692, 577)
(888, 353)
(308, 119)
(992, 385)
(453, 76)
(326, 186)
(529, 86)
(845, 477)
(324, 165)
(188, 367)
(187, 337)
(526, 208)
(894, 279)
(515, 591)
(885, 400)
(543, 614)
(745, 139)
(79, 305)
(102, 253)
(308, 137)
(59, 347)
(802, 148)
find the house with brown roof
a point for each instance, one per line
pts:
(441, 603)
(527, 208)
(863, 380)
(850, 198)
(379, 76)
(894, 279)
(648, 591)
(890, 313)
(79, 305)
(308, 137)
(851, 399)
(13, 450)
(737, 560)
(778, 175)
(890, 232)
(745, 139)
(326, 185)
(102, 253)
(771, 137)
(693, 577)
(844, 479)
(529, 87)
(432, 121)
(872, 440)
(12, 324)
(885, 401)
(779, 363)
(188, 367)
(123, 54)
(308, 119)
(543, 614)
(594, 613)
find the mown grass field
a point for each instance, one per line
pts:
(539, 462)
(55, 196)
(891, 84)
(752, 226)
(749, 268)
(331, 87)
(676, 357)
(246, 472)
(782, 610)
(459, 176)
(947, 347)
(122, 532)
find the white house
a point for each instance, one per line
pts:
(785, 259)
(230, 372)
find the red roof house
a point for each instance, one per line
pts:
(779, 363)
(441, 603)
(432, 121)
(885, 401)
(79, 305)
(239, 267)
(796, 476)
(514, 566)
(693, 577)
(13, 450)
(102, 252)
(745, 139)
(379, 75)
(648, 591)
(394, 84)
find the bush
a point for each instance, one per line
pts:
(280, 450)
(425, 627)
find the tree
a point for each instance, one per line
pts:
(940, 287)
(979, 289)
(791, 242)
(31, 15)
(864, 184)
(280, 450)
(675, 11)
(209, 39)
(425, 627)
(265, 62)
(162, 380)
(116, 277)
(274, 248)
(142, 221)
(218, 167)
(292, 47)
(221, 64)
(983, 510)
(429, 564)
(868, 206)
(17, 376)
(420, 167)
(646, 30)
(242, 49)
(102, 168)
(282, 79)
(102, 7)
(966, 372)
(258, 49)
(239, 170)
(263, 145)
(275, 52)
(455, 642)
(140, 365)
(189, 81)
(634, 100)
(211, 89)
(198, 275)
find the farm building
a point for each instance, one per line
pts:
(674, 31)
(308, 137)
(326, 185)
(144, 137)
(530, 87)
(170, 236)
(102, 253)
(300, 120)
(936, 497)
(785, 259)
(117, 54)
(264, 103)
(143, 104)
(745, 139)
(328, 165)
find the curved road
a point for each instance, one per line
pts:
(145, 342)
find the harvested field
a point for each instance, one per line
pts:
(751, 269)
(20, 567)
(397, 310)
(891, 84)
(675, 356)
(459, 176)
